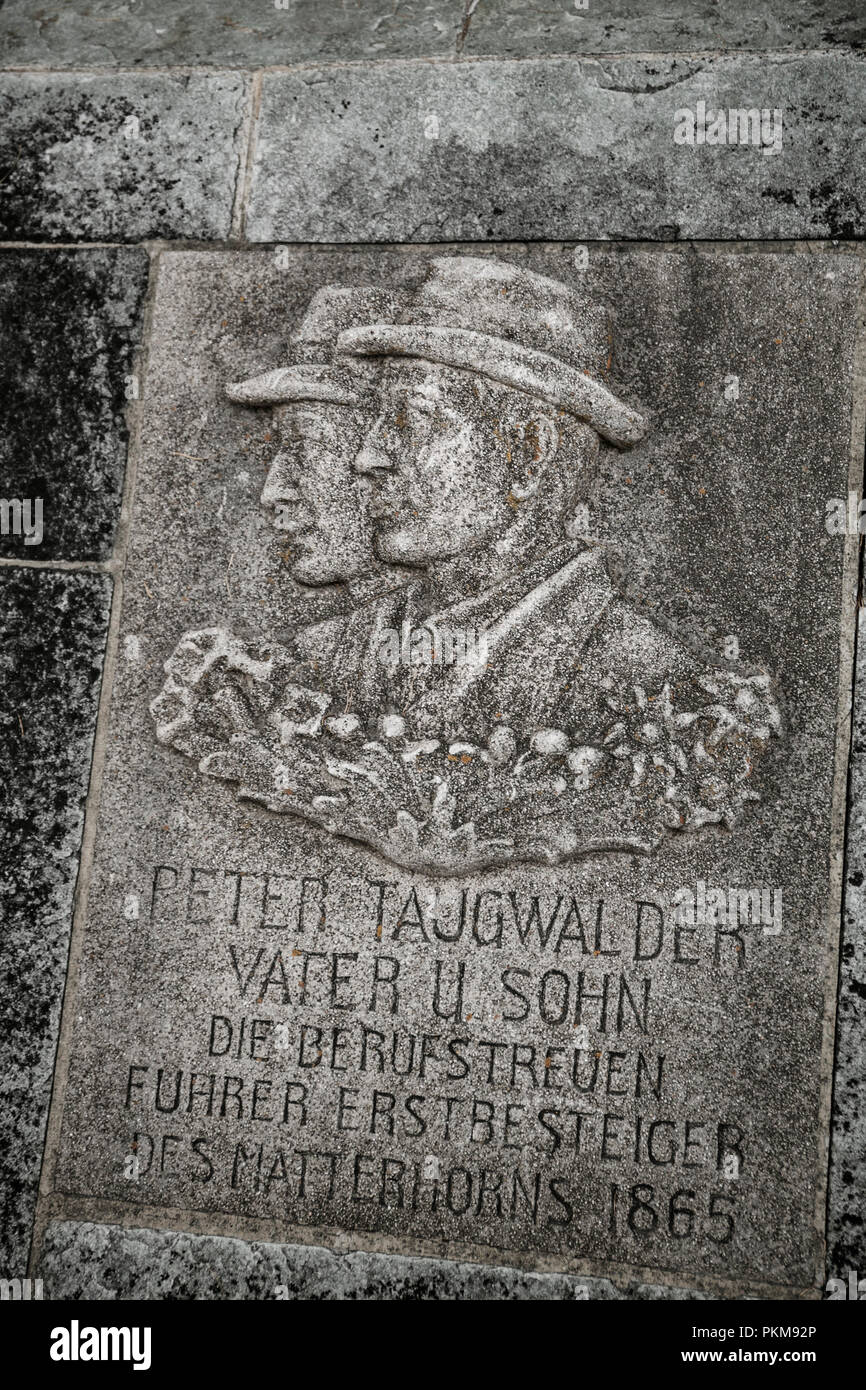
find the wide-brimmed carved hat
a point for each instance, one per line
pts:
(317, 372)
(514, 326)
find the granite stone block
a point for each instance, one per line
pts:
(304, 1005)
(54, 626)
(252, 33)
(173, 32)
(521, 28)
(562, 148)
(119, 157)
(70, 324)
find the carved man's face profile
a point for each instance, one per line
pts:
(457, 460)
(320, 503)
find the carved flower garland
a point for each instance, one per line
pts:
(678, 758)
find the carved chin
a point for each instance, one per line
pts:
(403, 545)
(396, 545)
(320, 569)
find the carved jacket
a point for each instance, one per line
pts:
(560, 643)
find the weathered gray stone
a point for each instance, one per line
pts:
(257, 32)
(523, 27)
(742, 367)
(119, 157)
(70, 324)
(112, 32)
(85, 1260)
(54, 628)
(846, 1224)
(558, 148)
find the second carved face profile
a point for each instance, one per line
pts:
(407, 435)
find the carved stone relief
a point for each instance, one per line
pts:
(497, 700)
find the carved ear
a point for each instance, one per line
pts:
(540, 443)
(548, 438)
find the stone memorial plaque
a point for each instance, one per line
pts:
(467, 868)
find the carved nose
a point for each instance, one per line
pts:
(373, 456)
(280, 481)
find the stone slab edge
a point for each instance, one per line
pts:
(828, 1196)
(846, 1207)
(52, 697)
(113, 568)
(95, 1261)
(87, 1229)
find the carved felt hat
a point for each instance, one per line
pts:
(513, 326)
(317, 371)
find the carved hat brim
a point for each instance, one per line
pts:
(526, 369)
(304, 382)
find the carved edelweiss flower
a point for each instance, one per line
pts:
(699, 740)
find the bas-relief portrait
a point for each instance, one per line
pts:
(489, 697)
